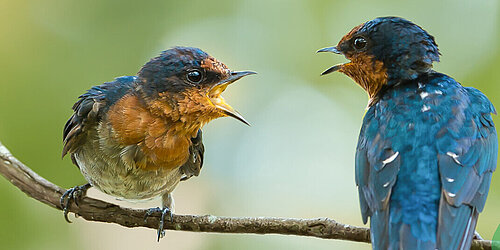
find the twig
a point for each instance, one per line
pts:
(96, 210)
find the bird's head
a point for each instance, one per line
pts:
(187, 83)
(385, 51)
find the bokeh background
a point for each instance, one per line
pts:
(297, 158)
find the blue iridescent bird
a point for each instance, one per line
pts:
(137, 137)
(427, 147)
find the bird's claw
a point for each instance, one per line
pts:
(75, 194)
(164, 211)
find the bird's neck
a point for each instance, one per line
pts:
(186, 112)
(370, 75)
(162, 127)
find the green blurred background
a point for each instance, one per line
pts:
(297, 158)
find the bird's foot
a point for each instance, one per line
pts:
(73, 194)
(477, 236)
(164, 211)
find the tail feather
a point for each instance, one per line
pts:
(379, 229)
(401, 235)
(456, 226)
(408, 241)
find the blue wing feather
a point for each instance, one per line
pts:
(375, 178)
(466, 177)
(90, 108)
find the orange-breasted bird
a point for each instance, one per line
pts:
(137, 137)
(427, 147)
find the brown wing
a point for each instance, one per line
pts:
(193, 166)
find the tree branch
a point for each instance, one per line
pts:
(96, 210)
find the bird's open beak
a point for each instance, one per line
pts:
(214, 94)
(334, 67)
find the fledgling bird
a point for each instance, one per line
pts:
(137, 137)
(427, 147)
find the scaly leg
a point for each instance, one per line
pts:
(72, 194)
(168, 209)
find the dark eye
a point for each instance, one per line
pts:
(359, 43)
(194, 76)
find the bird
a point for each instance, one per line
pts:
(427, 147)
(135, 138)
